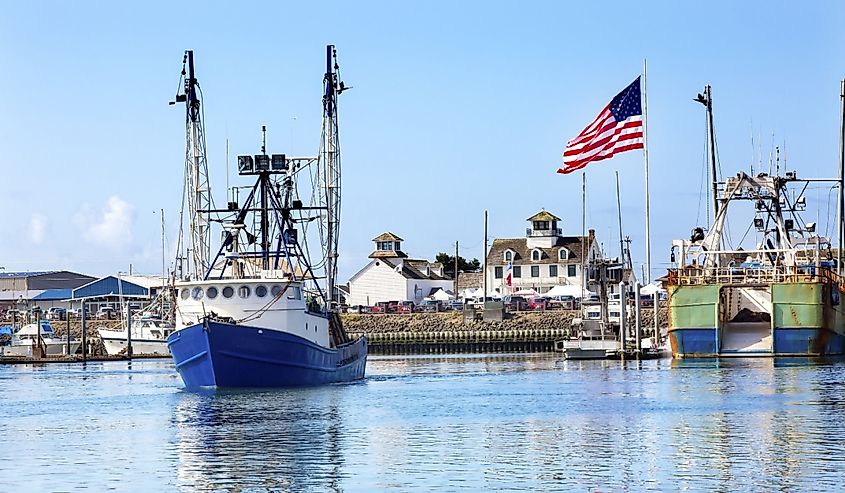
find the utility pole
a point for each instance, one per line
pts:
(456, 270)
(485, 256)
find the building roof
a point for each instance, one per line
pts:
(411, 269)
(543, 216)
(522, 253)
(145, 281)
(109, 286)
(388, 254)
(12, 295)
(387, 236)
(18, 275)
(54, 294)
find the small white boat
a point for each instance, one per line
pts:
(24, 342)
(149, 336)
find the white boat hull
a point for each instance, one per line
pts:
(54, 348)
(116, 344)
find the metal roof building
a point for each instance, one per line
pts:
(41, 280)
(17, 289)
(110, 286)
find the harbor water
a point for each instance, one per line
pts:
(498, 422)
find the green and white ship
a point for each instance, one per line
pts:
(781, 297)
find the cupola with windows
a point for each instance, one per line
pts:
(388, 245)
(543, 231)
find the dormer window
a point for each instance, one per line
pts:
(541, 225)
(563, 254)
(508, 256)
(536, 255)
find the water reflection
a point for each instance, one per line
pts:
(435, 423)
(272, 441)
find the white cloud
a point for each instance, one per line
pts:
(111, 228)
(37, 228)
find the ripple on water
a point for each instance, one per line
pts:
(445, 423)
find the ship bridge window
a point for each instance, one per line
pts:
(276, 291)
(197, 293)
(185, 293)
(211, 293)
(243, 291)
(228, 292)
(294, 293)
(261, 291)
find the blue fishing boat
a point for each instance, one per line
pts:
(259, 312)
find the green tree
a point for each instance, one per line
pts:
(464, 265)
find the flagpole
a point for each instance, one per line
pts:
(645, 163)
(583, 233)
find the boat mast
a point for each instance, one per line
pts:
(197, 187)
(707, 100)
(841, 209)
(329, 168)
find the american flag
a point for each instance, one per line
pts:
(618, 128)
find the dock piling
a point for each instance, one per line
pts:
(128, 331)
(637, 319)
(84, 339)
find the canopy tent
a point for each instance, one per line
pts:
(442, 295)
(650, 289)
(569, 290)
(470, 293)
(525, 292)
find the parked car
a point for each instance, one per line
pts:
(56, 313)
(562, 302)
(405, 307)
(378, 308)
(455, 305)
(515, 303)
(105, 313)
(430, 306)
(77, 313)
(538, 303)
(358, 309)
(17, 314)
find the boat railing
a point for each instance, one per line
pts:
(693, 275)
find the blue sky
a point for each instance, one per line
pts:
(457, 107)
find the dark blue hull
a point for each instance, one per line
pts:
(704, 343)
(216, 354)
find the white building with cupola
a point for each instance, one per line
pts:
(545, 257)
(390, 275)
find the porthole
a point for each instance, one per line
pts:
(276, 291)
(228, 292)
(185, 293)
(261, 291)
(243, 291)
(197, 293)
(211, 293)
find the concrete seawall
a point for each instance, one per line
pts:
(436, 332)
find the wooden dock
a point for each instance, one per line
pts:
(29, 360)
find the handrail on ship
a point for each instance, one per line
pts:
(694, 275)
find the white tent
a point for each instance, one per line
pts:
(526, 292)
(650, 289)
(441, 295)
(569, 290)
(469, 293)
